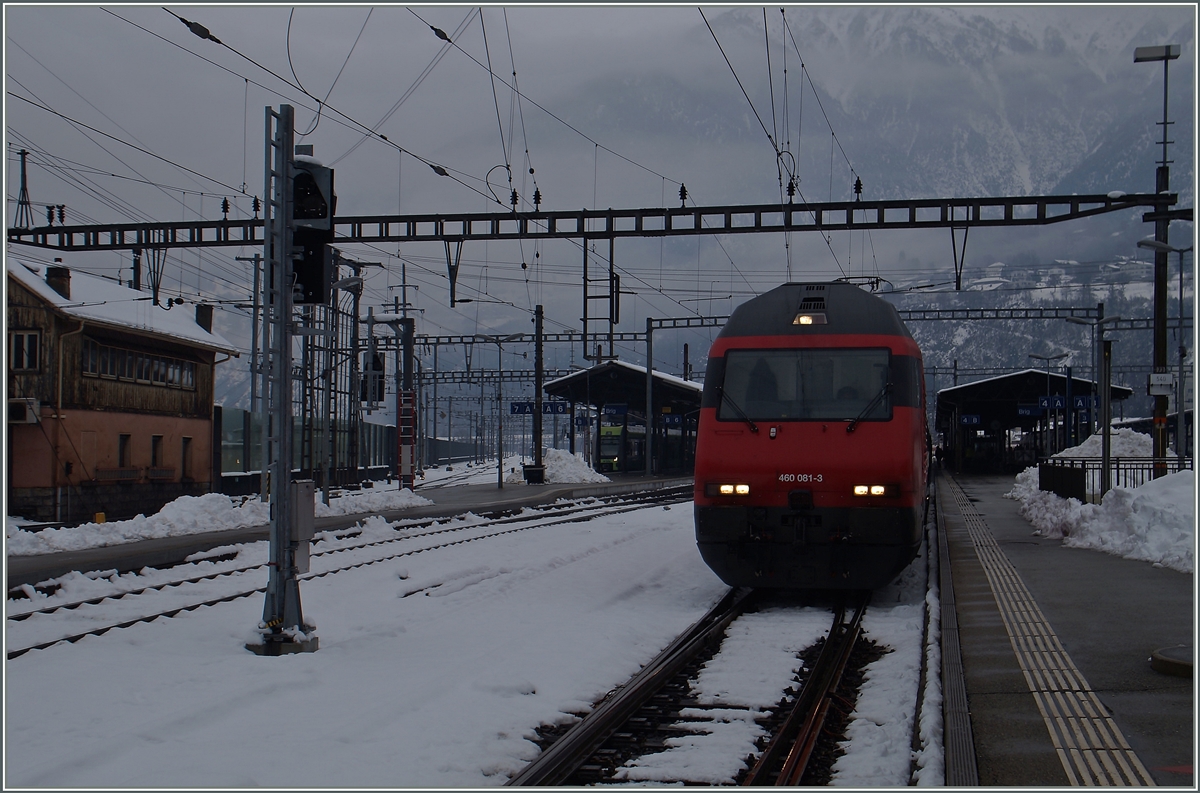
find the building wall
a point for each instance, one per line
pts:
(66, 467)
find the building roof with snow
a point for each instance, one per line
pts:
(102, 302)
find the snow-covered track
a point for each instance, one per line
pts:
(654, 709)
(786, 758)
(360, 555)
(564, 757)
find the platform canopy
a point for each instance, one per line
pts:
(617, 382)
(1015, 400)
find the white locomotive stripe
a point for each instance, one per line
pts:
(1088, 742)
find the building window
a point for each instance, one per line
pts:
(156, 451)
(121, 364)
(185, 461)
(23, 350)
(123, 451)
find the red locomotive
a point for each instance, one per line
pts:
(812, 451)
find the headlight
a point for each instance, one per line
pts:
(890, 491)
(713, 489)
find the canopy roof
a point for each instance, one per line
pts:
(617, 382)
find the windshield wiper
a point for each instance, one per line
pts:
(738, 410)
(887, 389)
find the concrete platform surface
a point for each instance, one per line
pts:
(1110, 615)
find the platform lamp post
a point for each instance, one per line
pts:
(1048, 359)
(1096, 385)
(1180, 428)
(1162, 186)
(499, 342)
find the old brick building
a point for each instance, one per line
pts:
(110, 398)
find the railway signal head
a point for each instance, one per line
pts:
(313, 207)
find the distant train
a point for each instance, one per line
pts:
(812, 452)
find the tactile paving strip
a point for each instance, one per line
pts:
(1091, 747)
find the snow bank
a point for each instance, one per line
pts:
(189, 515)
(1153, 523)
(562, 467)
(371, 500)
(1124, 443)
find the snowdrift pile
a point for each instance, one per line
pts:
(1153, 523)
(189, 515)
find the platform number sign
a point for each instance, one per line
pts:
(521, 408)
(971, 420)
(556, 408)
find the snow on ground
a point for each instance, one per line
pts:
(562, 468)
(218, 512)
(191, 515)
(433, 671)
(1155, 522)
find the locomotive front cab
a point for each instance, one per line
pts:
(805, 463)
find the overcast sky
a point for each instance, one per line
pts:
(621, 106)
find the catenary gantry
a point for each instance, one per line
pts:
(955, 213)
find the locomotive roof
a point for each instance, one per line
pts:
(846, 307)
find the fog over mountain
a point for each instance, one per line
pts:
(922, 101)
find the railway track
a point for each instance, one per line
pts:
(182, 592)
(618, 728)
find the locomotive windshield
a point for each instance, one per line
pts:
(806, 385)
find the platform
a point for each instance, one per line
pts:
(1056, 646)
(446, 501)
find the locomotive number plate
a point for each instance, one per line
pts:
(801, 478)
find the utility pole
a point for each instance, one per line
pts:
(539, 470)
(1162, 185)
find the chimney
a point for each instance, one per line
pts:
(58, 278)
(204, 316)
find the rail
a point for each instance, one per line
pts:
(785, 759)
(555, 765)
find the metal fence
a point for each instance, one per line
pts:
(1067, 476)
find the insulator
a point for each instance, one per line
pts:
(857, 187)
(62, 213)
(537, 196)
(256, 205)
(682, 194)
(791, 188)
(514, 198)
(49, 216)
(225, 206)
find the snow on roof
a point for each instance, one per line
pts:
(100, 301)
(1042, 372)
(670, 378)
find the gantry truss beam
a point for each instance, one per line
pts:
(933, 314)
(478, 376)
(955, 213)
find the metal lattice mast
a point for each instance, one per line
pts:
(283, 618)
(24, 218)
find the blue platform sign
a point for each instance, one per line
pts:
(671, 419)
(559, 408)
(1056, 402)
(616, 410)
(1083, 402)
(1029, 410)
(971, 420)
(521, 408)
(581, 421)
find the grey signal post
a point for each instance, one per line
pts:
(283, 627)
